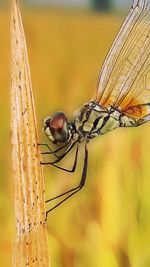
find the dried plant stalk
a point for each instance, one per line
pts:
(31, 245)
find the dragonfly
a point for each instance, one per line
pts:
(121, 98)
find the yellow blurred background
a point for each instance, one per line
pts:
(107, 224)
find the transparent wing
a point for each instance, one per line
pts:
(125, 76)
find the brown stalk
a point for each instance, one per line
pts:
(31, 244)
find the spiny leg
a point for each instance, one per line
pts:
(53, 152)
(75, 189)
(72, 170)
(50, 150)
(74, 164)
(61, 157)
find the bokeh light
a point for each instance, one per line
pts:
(107, 223)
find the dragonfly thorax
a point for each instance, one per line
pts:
(93, 120)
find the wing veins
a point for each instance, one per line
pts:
(126, 59)
(127, 92)
(116, 80)
(136, 15)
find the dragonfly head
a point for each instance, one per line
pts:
(58, 128)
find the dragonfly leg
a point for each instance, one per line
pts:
(74, 190)
(50, 150)
(39, 144)
(61, 157)
(55, 151)
(74, 164)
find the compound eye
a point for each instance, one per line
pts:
(57, 122)
(59, 128)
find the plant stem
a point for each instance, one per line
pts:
(31, 244)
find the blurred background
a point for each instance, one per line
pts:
(107, 224)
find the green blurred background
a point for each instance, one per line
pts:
(108, 223)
